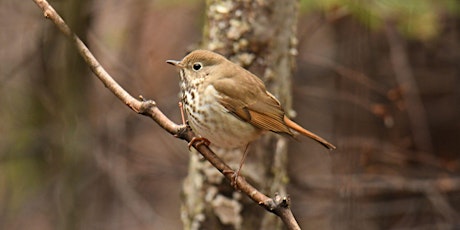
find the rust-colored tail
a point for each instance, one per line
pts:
(291, 124)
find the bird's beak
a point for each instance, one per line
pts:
(175, 63)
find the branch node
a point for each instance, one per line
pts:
(269, 204)
(282, 201)
(182, 132)
(277, 203)
(47, 13)
(146, 106)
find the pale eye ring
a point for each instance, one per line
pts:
(197, 66)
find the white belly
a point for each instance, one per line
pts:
(214, 122)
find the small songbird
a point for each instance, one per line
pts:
(228, 105)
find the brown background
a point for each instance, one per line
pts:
(73, 157)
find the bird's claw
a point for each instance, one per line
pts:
(199, 141)
(234, 177)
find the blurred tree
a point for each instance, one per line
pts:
(47, 145)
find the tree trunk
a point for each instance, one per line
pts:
(260, 36)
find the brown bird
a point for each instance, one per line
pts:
(229, 105)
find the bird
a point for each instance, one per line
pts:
(229, 107)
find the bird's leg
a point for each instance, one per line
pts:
(245, 154)
(199, 141)
(181, 107)
(236, 174)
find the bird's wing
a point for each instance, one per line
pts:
(250, 102)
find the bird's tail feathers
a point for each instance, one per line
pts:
(291, 124)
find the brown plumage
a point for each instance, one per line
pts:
(228, 105)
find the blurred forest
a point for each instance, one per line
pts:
(380, 79)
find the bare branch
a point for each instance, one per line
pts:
(278, 205)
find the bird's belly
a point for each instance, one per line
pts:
(209, 119)
(225, 130)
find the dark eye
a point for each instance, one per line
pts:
(197, 66)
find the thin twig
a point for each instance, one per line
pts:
(353, 75)
(405, 78)
(371, 184)
(379, 110)
(278, 205)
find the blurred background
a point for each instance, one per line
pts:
(380, 79)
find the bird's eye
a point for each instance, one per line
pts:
(197, 66)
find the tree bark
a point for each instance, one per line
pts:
(260, 36)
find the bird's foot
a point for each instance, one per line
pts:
(234, 177)
(199, 141)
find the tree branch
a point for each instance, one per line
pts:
(278, 205)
